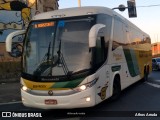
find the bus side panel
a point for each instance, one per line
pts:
(140, 48)
(132, 46)
(102, 85)
(116, 57)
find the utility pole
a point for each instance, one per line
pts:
(79, 3)
(36, 4)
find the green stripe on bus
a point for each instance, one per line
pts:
(134, 60)
(129, 59)
(68, 84)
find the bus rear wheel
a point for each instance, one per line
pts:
(146, 72)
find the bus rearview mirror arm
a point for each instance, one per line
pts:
(93, 34)
(10, 38)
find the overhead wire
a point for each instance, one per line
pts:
(156, 5)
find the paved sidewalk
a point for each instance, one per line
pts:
(10, 92)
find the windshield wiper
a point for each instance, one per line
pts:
(44, 64)
(48, 53)
(61, 61)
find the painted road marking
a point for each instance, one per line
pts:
(157, 81)
(152, 84)
(8, 103)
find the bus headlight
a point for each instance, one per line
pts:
(83, 87)
(86, 86)
(24, 88)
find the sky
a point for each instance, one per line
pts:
(148, 18)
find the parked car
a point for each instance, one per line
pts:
(156, 63)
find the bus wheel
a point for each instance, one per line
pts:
(116, 88)
(145, 78)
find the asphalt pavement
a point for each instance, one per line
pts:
(154, 77)
(10, 92)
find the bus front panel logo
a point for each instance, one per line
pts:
(50, 92)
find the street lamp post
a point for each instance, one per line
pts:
(79, 3)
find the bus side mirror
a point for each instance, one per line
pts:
(93, 33)
(14, 49)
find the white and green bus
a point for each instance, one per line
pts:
(79, 57)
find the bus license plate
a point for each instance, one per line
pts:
(50, 102)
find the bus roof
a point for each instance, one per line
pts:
(75, 11)
(80, 11)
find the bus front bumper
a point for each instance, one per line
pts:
(81, 99)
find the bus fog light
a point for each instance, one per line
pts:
(88, 99)
(23, 99)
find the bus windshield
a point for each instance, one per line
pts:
(57, 48)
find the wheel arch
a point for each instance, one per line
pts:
(116, 74)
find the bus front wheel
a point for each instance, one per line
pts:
(116, 88)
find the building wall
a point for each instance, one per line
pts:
(14, 18)
(44, 6)
(48, 5)
(156, 49)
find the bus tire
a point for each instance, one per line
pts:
(146, 72)
(116, 88)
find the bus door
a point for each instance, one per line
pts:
(102, 90)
